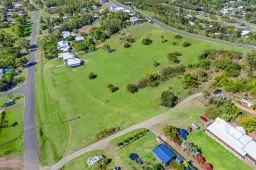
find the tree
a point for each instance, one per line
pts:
(146, 41)
(186, 44)
(178, 36)
(23, 43)
(126, 45)
(168, 99)
(18, 29)
(106, 48)
(133, 88)
(152, 76)
(158, 167)
(251, 60)
(170, 131)
(92, 76)
(143, 82)
(180, 167)
(249, 123)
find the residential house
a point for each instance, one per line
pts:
(84, 10)
(136, 20)
(66, 34)
(246, 103)
(63, 46)
(73, 62)
(79, 39)
(66, 56)
(233, 139)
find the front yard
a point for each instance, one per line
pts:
(215, 154)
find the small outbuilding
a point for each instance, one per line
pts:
(74, 62)
(246, 103)
(164, 154)
(136, 20)
(79, 39)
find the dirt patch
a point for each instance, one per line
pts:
(14, 163)
(85, 29)
(106, 5)
(113, 155)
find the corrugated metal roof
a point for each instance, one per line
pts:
(163, 154)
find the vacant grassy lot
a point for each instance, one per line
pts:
(143, 147)
(71, 109)
(80, 164)
(216, 154)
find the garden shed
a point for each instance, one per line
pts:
(164, 154)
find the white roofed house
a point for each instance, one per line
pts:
(245, 33)
(73, 62)
(63, 46)
(233, 139)
(136, 20)
(66, 56)
(246, 103)
(94, 7)
(79, 39)
(66, 34)
(84, 10)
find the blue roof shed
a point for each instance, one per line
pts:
(163, 154)
(178, 160)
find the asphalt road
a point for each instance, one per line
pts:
(31, 155)
(187, 34)
(149, 124)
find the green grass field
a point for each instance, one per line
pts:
(11, 137)
(71, 109)
(19, 99)
(216, 154)
(80, 164)
(143, 147)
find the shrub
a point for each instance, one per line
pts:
(133, 88)
(112, 88)
(168, 99)
(156, 64)
(178, 36)
(106, 48)
(152, 76)
(186, 44)
(154, 84)
(126, 45)
(146, 41)
(173, 57)
(249, 123)
(143, 82)
(168, 72)
(92, 76)
(130, 39)
(174, 43)
(170, 131)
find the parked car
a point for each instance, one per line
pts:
(204, 119)
(9, 103)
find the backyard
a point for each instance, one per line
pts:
(80, 162)
(11, 131)
(143, 147)
(72, 109)
(214, 153)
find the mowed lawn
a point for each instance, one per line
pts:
(71, 109)
(80, 162)
(11, 137)
(215, 154)
(143, 147)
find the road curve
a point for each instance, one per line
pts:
(168, 28)
(104, 142)
(31, 155)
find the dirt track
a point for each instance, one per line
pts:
(14, 163)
